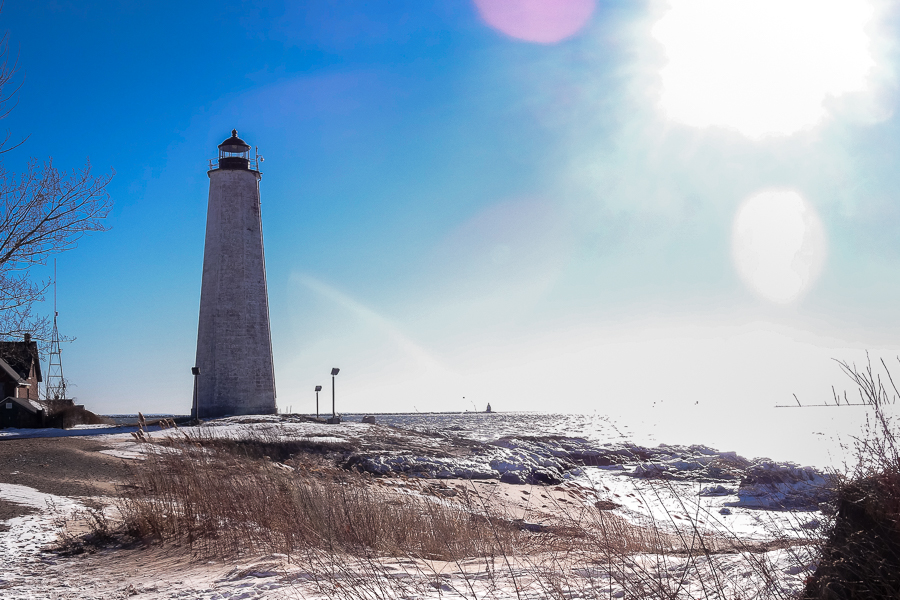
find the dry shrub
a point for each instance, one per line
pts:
(68, 416)
(222, 503)
(861, 557)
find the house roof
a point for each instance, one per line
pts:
(26, 404)
(5, 368)
(20, 356)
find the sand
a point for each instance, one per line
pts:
(66, 466)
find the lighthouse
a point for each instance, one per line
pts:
(234, 373)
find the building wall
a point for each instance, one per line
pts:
(23, 357)
(32, 392)
(234, 345)
(19, 417)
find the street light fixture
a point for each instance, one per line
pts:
(318, 389)
(334, 418)
(195, 371)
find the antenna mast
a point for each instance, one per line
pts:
(55, 387)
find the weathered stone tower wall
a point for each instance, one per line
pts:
(234, 344)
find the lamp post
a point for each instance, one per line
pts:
(318, 389)
(334, 372)
(195, 371)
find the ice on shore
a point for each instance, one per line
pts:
(760, 483)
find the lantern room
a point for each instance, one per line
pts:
(234, 153)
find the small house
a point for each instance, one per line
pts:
(20, 374)
(21, 413)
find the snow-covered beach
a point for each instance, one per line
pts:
(760, 505)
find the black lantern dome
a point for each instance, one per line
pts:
(234, 153)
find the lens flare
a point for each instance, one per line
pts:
(762, 67)
(778, 245)
(541, 21)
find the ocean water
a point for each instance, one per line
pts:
(492, 426)
(132, 419)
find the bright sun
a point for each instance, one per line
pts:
(778, 244)
(762, 67)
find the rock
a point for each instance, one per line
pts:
(526, 526)
(686, 465)
(649, 470)
(811, 524)
(513, 477)
(716, 490)
(573, 473)
(549, 476)
(714, 472)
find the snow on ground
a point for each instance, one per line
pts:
(158, 573)
(12, 433)
(683, 502)
(670, 484)
(22, 544)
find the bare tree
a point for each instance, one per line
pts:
(42, 212)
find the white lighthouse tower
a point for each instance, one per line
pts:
(234, 373)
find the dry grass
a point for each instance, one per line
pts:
(223, 500)
(268, 494)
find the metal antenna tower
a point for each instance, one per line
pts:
(55, 387)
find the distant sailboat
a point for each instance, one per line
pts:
(488, 409)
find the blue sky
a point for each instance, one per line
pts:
(669, 212)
